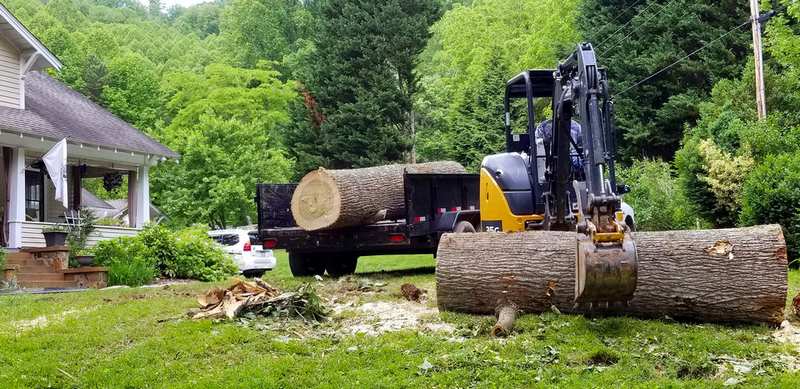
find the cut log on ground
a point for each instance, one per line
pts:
(506, 315)
(326, 199)
(728, 275)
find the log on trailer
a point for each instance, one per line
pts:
(727, 275)
(326, 199)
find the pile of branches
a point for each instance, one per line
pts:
(259, 298)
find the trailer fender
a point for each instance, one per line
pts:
(447, 221)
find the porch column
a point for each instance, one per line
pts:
(16, 198)
(139, 197)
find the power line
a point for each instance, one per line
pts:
(622, 13)
(626, 24)
(662, 70)
(636, 29)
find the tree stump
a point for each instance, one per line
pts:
(327, 199)
(727, 275)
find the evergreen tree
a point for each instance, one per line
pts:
(155, 9)
(362, 78)
(635, 39)
(475, 128)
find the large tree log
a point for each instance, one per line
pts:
(729, 275)
(327, 199)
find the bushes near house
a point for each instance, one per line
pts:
(160, 252)
(658, 201)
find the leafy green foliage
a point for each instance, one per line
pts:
(198, 257)
(362, 78)
(224, 129)
(771, 194)
(748, 157)
(78, 233)
(650, 35)
(127, 260)
(158, 251)
(658, 201)
(474, 49)
(476, 128)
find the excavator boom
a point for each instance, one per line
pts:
(571, 179)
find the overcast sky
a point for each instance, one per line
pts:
(169, 3)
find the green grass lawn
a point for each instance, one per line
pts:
(139, 338)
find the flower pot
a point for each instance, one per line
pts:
(85, 260)
(55, 238)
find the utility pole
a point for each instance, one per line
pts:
(755, 15)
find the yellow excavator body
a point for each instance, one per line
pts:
(496, 214)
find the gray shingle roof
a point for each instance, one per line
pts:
(53, 110)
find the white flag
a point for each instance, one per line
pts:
(56, 162)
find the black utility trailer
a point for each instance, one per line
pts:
(435, 204)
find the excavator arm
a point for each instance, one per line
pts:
(606, 263)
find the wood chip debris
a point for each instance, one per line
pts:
(257, 297)
(412, 293)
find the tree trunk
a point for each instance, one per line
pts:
(326, 199)
(729, 275)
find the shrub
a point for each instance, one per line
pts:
(725, 175)
(199, 258)
(158, 251)
(128, 261)
(657, 200)
(160, 244)
(135, 271)
(771, 194)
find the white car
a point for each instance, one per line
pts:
(252, 260)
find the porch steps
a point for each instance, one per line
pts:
(48, 284)
(25, 276)
(34, 273)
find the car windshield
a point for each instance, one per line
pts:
(227, 239)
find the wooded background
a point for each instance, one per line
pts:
(266, 90)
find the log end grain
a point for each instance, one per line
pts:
(318, 201)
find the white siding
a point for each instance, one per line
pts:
(10, 83)
(32, 234)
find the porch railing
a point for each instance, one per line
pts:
(32, 233)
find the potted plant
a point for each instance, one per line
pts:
(55, 235)
(79, 232)
(84, 257)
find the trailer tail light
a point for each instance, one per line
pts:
(455, 209)
(247, 247)
(397, 238)
(420, 219)
(270, 243)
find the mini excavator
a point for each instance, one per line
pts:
(559, 175)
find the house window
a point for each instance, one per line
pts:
(34, 196)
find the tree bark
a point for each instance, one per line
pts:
(506, 316)
(728, 275)
(326, 199)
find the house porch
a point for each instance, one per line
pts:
(27, 198)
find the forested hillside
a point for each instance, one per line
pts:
(254, 91)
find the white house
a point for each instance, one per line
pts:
(37, 111)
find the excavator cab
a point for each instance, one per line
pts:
(559, 174)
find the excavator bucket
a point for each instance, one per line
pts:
(605, 272)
